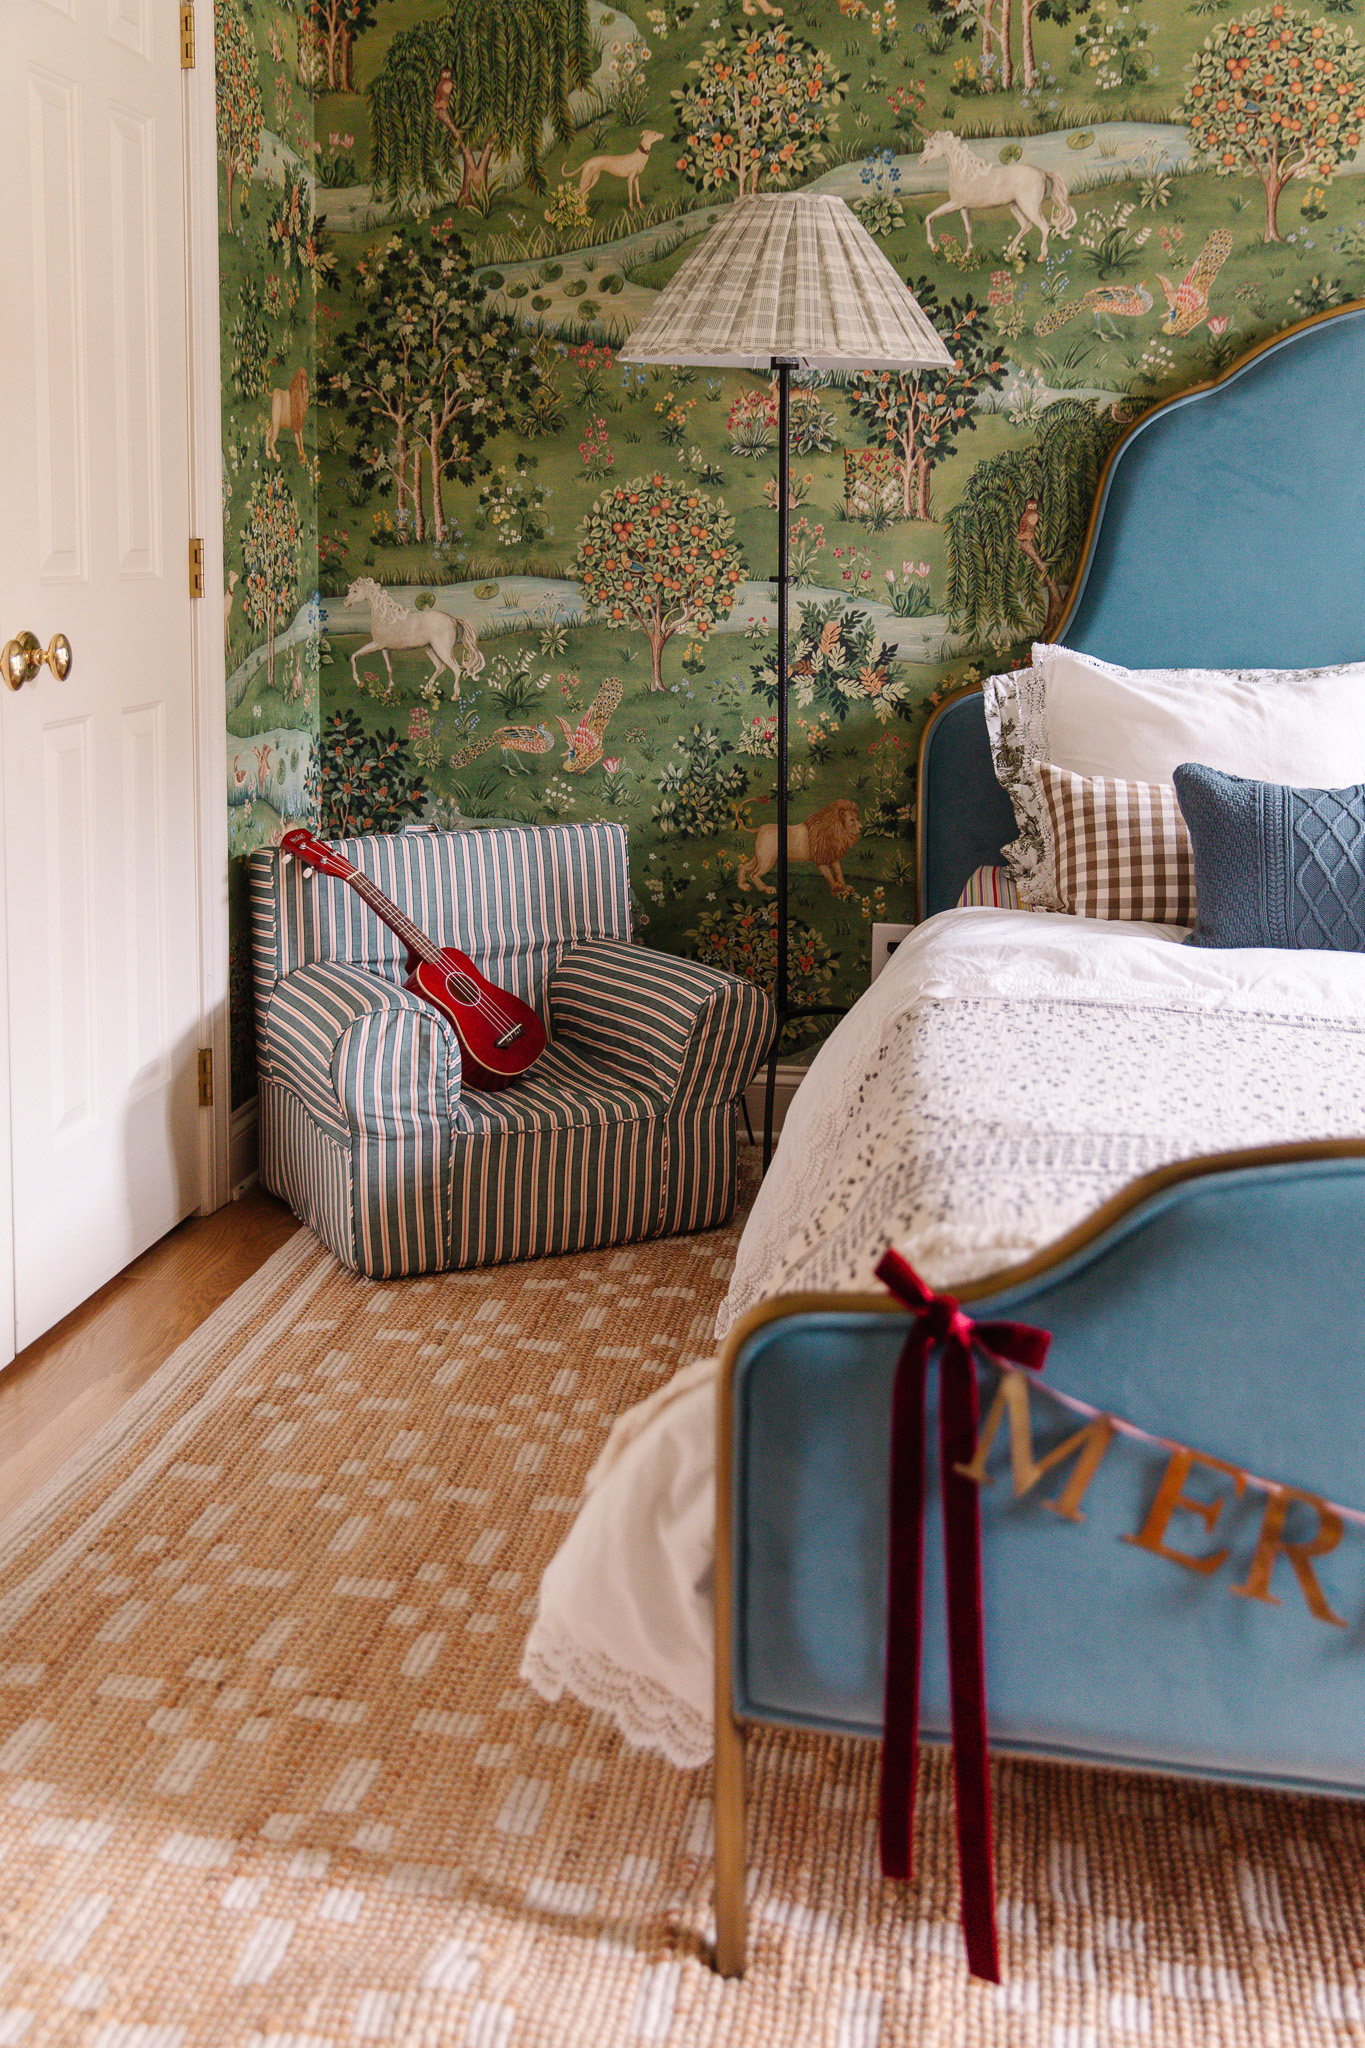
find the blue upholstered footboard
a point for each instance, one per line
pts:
(1226, 1312)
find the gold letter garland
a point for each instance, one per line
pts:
(1089, 1445)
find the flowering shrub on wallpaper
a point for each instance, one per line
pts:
(452, 228)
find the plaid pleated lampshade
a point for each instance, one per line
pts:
(790, 276)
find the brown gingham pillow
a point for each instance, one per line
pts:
(1122, 847)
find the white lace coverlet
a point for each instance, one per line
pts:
(1006, 1074)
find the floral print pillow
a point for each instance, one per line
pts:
(1016, 721)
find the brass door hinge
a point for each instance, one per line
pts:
(187, 35)
(196, 568)
(206, 1077)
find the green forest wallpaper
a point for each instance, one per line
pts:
(477, 567)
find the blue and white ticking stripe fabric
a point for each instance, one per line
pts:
(624, 1129)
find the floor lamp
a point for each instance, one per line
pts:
(783, 282)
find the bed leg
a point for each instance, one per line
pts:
(730, 1873)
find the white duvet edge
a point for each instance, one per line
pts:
(983, 954)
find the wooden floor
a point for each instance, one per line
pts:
(64, 1387)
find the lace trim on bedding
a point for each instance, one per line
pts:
(647, 1715)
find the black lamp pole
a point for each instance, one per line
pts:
(784, 366)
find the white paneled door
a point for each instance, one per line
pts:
(100, 962)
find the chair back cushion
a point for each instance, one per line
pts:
(513, 897)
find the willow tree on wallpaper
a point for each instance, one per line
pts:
(557, 566)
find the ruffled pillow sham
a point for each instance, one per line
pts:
(1016, 724)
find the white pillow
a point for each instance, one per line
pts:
(1304, 726)
(1300, 726)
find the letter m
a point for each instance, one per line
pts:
(1087, 1446)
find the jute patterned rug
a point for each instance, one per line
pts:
(268, 1778)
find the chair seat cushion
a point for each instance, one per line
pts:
(567, 1087)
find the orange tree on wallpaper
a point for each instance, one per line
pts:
(659, 555)
(762, 109)
(368, 781)
(240, 113)
(271, 542)
(488, 78)
(920, 413)
(1280, 94)
(429, 366)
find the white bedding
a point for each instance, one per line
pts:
(1007, 1073)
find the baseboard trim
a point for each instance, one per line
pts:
(243, 1149)
(789, 1079)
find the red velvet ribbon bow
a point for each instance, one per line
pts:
(940, 1324)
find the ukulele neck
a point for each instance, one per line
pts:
(403, 928)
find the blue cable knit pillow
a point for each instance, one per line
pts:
(1274, 866)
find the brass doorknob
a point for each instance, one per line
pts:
(22, 657)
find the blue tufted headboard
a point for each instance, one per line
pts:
(1228, 532)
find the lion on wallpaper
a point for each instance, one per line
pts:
(823, 838)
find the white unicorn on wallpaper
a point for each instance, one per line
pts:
(973, 185)
(394, 625)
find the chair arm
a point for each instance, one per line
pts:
(692, 1033)
(362, 1052)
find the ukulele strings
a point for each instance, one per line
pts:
(417, 941)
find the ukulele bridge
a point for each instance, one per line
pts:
(510, 1037)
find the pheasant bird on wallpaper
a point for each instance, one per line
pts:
(1105, 301)
(583, 742)
(510, 740)
(1188, 302)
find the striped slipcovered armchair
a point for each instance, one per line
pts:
(625, 1127)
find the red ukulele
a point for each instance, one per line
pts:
(500, 1036)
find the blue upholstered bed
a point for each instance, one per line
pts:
(1218, 1303)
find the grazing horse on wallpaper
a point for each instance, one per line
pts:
(973, 185)
(394, 625)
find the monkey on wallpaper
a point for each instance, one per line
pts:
(440, 105)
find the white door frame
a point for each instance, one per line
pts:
(210, 668)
